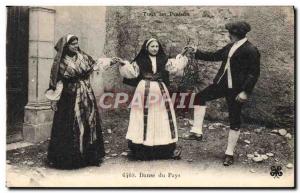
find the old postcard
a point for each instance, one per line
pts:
(150, 96)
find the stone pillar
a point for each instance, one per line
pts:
(38, 114)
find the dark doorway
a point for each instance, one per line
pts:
(17, 37)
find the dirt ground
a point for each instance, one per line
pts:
(205, 154)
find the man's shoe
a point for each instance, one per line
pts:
(192, 136)
(228, 160)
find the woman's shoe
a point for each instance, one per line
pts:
(176, 154)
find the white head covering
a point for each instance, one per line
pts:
(69, 37)
(149, 41)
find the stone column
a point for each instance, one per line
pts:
(38, 114)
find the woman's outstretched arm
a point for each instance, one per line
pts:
(129, 70)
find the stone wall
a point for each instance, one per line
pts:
(272, 101)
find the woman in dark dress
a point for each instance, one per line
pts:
(76, 137)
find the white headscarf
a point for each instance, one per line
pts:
(69, 37)
(149, 41)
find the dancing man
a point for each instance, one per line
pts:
(235, 81)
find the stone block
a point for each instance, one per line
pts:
(44, 69)
(38, 114)
(32, 79)
(46, 23)
(41, 24)
(39, 49)
(37, 123)
(37, 133)
(46, 49)
(33, 32)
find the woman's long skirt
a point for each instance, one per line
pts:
(152, 130)
(76, 141)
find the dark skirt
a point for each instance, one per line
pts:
(143, 152)
(64, 147)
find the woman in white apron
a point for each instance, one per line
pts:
(152, 131)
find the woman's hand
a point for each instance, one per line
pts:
(191, 49)
(54, 105)
(116, 60)
(242, 97)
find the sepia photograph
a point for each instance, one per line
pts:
(150, 97)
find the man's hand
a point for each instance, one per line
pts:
(242, 97)
(184, 51)
(54, 105)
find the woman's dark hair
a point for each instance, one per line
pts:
(72, 39)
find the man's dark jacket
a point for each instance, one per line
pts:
(244, 65)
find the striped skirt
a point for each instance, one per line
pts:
(152, 116)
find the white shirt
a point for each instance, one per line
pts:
(235, 46)
(153, 62)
